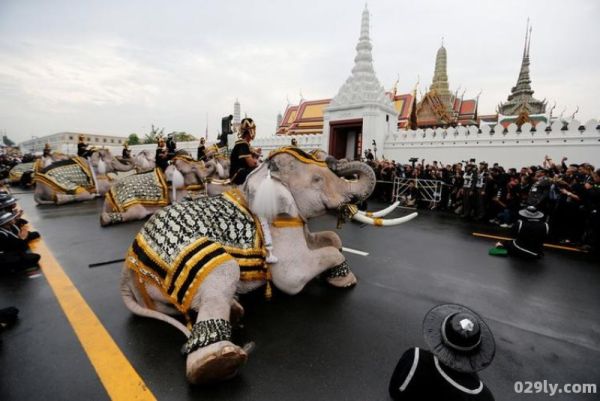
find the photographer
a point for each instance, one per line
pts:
(468, 189)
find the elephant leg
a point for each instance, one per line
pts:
(137, 212)
(339, 276)
(62, 199)
(323, 238)
(211, 356)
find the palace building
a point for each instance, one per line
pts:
(438, 107)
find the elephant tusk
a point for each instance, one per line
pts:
(383, 222)
(381, 213)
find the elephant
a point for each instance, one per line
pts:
(195, 256)
(144, 161)
(76, 179)
(140, 195)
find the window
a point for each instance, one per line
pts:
(112, 141)
(70, 137)
(96, 139)
(104, 140)
(119, 141)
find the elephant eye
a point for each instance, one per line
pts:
(317, 178)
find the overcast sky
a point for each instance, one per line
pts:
(116, 67)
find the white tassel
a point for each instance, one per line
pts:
(101, 166)
(178, 182)
(220, 170)
(264, 203)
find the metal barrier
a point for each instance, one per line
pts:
(427, 190)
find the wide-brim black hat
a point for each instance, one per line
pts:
(461, 360)
(7, 217)
(531, 212)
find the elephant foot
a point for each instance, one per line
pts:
(62, 199)
(341, 276)
(215, 362)
(106, 219)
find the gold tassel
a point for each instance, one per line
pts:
(268, 291)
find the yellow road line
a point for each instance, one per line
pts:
(118, 377)
(564, 248)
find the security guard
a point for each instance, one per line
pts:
(126, 154)
(82, 148)
(161, 156)
(202, 150)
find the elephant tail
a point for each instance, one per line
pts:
(133, 305)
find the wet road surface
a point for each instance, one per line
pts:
(325, 343)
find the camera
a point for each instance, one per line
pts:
(413, 159)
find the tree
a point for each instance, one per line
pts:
(7, 141)
(152, 136)
(183, 136)
(133, 139)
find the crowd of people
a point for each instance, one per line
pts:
(568, 194)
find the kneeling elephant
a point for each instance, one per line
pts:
(195, 255)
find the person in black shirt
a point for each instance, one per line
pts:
(461, 344)
(242, 160)
(82, 148)
(530, 232)
(14, 245)
(126, 153)
(161, 157)
(171, 146)
(202, 150)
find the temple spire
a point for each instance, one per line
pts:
(521, 95)
(362, 86)
(440, 76)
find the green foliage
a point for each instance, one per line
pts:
(133, 139)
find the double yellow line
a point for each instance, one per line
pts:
(118, 377)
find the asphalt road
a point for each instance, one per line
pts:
(325, 343)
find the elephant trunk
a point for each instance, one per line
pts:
(359, 178)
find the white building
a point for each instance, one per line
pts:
(66, 142)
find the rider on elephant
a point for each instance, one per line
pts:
(242, 159)
(126, 153)
(171, 146)
(201, 150)
(162, 158)
(47, 151)
(82, 148)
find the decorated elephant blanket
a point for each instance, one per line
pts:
(147, 189)
(17, 171)
(182, 243)
(69, 176)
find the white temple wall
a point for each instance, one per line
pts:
(580, 143)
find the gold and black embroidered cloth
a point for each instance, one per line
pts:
(17, 171)
(147, 189)
(182, 243)
(299, 154)
(69, 176)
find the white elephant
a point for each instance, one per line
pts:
(140, 195)
(77, 179)
(195, 256)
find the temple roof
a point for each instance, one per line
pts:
(307, 117)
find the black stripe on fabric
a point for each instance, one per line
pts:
(194, 270)
(251, 268)
(181, 265)
(257, 255)
(147, 260)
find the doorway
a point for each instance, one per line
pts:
(345, 139)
